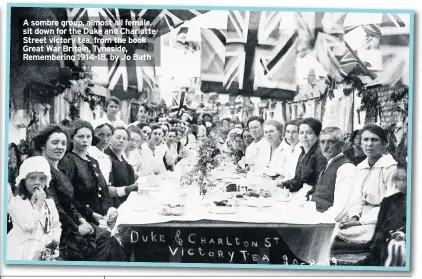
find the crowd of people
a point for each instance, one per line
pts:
(65, 185)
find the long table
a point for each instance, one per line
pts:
(281, 234)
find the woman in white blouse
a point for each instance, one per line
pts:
(153, 153)
(133, 152)
(103, 133)
(34, 214)
(273, 133)
(291, 151)
(374, 182)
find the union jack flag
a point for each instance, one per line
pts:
(394, 46)
(181, 102)
(334, 30)
(213, 55)
(259, 56)
(128, 78)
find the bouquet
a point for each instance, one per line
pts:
(49, 253)
(208, 158)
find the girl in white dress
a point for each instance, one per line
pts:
(34, 214)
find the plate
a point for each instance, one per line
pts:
(173, 210)
(254, 202)
(222, 210)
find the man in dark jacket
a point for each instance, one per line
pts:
(335, 183)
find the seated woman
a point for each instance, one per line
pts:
(133, 153)
(391, 218)
(373, 183)
(311, 162)
(92, 196)
(80, 240)
(239, 148)
(355, 153)
(35, 218)
(103, 132)
(291, 150)
(273, 133)
(146, 132)
(173, 148)
(180, 146)
(122, 173)
(154, 154)
(202, 130)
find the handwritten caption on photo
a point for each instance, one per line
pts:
(229, 249)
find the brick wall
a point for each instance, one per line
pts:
(388, 115)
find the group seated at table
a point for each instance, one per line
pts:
(84, 173)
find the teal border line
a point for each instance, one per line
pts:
(409, 140)
(241, 266)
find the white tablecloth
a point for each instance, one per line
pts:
(133, 212)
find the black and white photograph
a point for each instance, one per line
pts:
(219, 137)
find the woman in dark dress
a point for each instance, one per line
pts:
(80, 240)
(92, 196)
(238, 151)
(355, 153)
(311, 161)
(122, 173)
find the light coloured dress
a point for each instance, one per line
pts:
(372, 186)
(155, 160)
(103, 160)
(28, 238)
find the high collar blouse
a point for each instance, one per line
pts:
(91, 191)
(308, 168)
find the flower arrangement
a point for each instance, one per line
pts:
(49, 252)
(208, 159)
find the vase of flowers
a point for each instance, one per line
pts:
(208, 158)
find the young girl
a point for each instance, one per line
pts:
(35, 218)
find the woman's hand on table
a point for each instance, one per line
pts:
(352, 218)
(131, 188)
(350, 222)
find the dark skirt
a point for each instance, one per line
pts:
(99, 246)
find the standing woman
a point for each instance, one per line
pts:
(311, 162)
(122, 174)
(374, 182)
(92, 196)
(35, 218)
